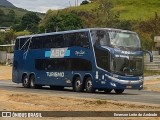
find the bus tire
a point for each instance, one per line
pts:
(119, 91)
(25, 81)
(32, 83)
(107, 90)
(89, 86)
(77, 86)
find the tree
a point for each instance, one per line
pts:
(62, 22)
(30, 22)
(2, 37)
(11, 16)
(84, 2)
(9, 37)
(106, 6)
(105, 16)
(1, 12)
(2, 15)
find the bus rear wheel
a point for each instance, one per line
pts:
(32, 83)
(89, 86)
(119, 91)
(25, 81)
(107, 90)
(77, 86)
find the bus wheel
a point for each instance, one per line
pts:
(77, 86)
(32, 83)
(119, 91)
(25, 82)
(88, 85)
(107, 90)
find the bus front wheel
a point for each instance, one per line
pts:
(89, 86)
(119, 91)
(25, 81)
(77, 86)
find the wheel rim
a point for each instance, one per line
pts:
(78, 83)
(89, 84)
(32, 82)
(25, 81)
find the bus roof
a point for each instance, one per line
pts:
(78, 30)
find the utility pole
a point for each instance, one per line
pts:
(69, 3)
(77, 2)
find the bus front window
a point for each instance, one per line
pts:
(129, 65)
(124, 39)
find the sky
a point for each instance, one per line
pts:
(43, 5)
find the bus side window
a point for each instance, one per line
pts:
(24, 43)
(70, 39)
(100, 37)
(58, 41)
(82, 39)
(36, 43)
(47, 42)
(79, 39)
(17, 44)
(53, 41)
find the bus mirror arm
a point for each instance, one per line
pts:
(150, 54)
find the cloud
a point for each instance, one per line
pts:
(43, 5)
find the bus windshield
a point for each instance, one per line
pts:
(124, 39)
(116, 39)
(129, 65)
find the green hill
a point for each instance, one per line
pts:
(129, 9)
(19, 11)
(12, 15)
(137, 9)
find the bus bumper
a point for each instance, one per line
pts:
(126, 84)
(121, 83)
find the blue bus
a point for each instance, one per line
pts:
(90, 59)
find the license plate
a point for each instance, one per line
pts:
(129, 87)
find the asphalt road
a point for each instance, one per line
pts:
(140, 96)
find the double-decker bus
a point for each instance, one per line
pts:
(90, 59)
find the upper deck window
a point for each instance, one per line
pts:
(79, 39)
(17, 44)
(100, 37)
(124, 39)
(120, 39)
(76, 39)
(24, 42)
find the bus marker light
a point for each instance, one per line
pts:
(68, 81)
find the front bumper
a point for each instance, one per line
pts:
(127, 82)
